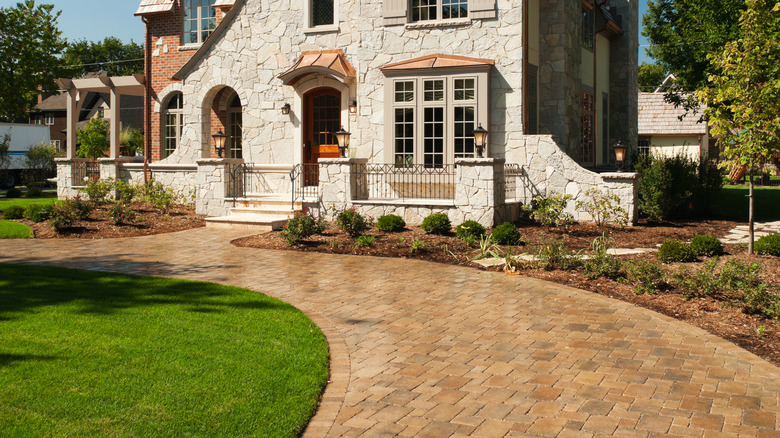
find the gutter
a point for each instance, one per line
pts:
(147, 100)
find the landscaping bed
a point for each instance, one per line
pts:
(719, 315)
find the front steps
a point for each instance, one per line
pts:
(257, 213)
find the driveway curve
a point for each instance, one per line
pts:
(422, 349)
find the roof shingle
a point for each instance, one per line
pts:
(657, 117)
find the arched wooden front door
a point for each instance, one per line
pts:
(321, 120)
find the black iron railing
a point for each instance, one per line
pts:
(85, 171)
(391, 182)
(304, 182)
(236, 180)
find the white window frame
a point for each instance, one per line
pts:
(479, 102)
(439, 12)
(235, 143)
(178, 113)
(308, 17)
(198, 21)
(49, 119)
(57, 144)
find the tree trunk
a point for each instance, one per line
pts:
(751, 229)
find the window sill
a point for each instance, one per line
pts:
(328, 28)
(187, 47)
(439, 23)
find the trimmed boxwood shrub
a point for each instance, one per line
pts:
(673, 250)
(437, 223)
(470, 230)
(706, 245)
(301, 226)
(37, 212)
(33, 192)
(13, 192)
(768, 245)
(13, 212)
(390, 223)
(352, 222)
(506, 234)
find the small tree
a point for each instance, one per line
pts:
(743, 103)
(5, 157)
(39, 161)
(93, 139)
(131, 140)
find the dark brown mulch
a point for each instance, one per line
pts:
(148, 221)
(752, 332)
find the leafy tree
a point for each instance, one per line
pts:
(29, 45)
(743, 102)
(93, 139)
(131, 140)
(651, 76)
(39, 161)
(682, 33)
(110, 55)
(5, 158)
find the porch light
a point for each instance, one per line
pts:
(286, 109)
(219, 142)
(342, 137)
(480, 140)
(353, 107)
(620, 154)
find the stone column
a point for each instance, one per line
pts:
(109, 167)
(72, 117)
(626, 186)
(338, 186)
(65, 188)
(211, 185)
(479, 193)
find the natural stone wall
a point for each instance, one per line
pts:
(549, 170)
(211, 186)
(623, 102)
(180, 177)
(476, 197)
(413, 214)
(65, 186)
(336, 184)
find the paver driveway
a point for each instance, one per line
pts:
(422, 349)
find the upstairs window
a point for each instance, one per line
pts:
(322, 13)
(49, 119)
(200, 19)
(427, 10)
(588, 28)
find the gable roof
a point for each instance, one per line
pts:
(154, 6)
(657, 117)
(56, 102)
(332, 62)
(438, 60)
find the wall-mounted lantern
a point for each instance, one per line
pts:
(353, 107)
(620, 154)
(219, 142)
(286, 109)
(480, 140)
(342, 137)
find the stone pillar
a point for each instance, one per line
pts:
(338, 186)
(211, 185)
(109, 167)
(626, 186)
(479, 193)
(114, 125)
(71, 118)
(65, 188)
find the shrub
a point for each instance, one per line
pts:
(364, 240)
(97, 190)
(159, 195)
(469, 231)
(352, 222)
(125, 193)
(13, 212)
(62, 218)
(301, 226)
(768, 245)
(33, 192)
(604, 208)
(36, 213)
(646, 276)
(417, 246)
(706, 245)
(601, 264)
(674, 251)
(78, 206)
(506, 234)
(39, 161)
(554, 254)
(13, 192)
(550, 210)
(390, 223)
(703, 281)
(120, 213)
(437, 223)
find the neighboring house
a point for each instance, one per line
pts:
(552, 81)
(668, 131)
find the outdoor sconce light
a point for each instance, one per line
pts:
(219, 142)
(286, 109)
(480, 140)
(342, 137)
(620, 154)
(353, 107)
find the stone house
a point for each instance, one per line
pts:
(552, 81)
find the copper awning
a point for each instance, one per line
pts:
(438, 60)
(154, 7)
(331, 62)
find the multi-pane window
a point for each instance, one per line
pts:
(49, 119)
(426, 10)
(434, 120)
(235, 124)
(644, 146)
(173, 118)
(57, 144)
(588, 118)
(588, 28)
(322, 12)
(200, 19)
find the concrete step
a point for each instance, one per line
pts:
(250, 222)
(262, 210)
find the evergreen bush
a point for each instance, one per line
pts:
(506, 234)
(470, 231)
(706, 245)
(768, 245)
(390, 223)
(676, 251)
(437, 223)
(13, 212)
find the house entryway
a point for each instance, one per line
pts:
(321, 120)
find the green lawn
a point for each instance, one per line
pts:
(14, 230)
(94, 354)
(732, 203)
(45, 198)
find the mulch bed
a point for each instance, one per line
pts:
(148, 221)
(752, 332)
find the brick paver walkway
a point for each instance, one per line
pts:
(423, 349)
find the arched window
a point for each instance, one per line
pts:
(235, 124)
(173, 118)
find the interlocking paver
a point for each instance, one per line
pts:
(420, 349)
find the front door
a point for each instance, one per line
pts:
(322, 118)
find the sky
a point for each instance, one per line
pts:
(94, 20)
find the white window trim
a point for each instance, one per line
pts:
(200, 31)
(480, 104)
(48, 119)
(179, 112)
(307, 17)
(57, 144)
(440, 21)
